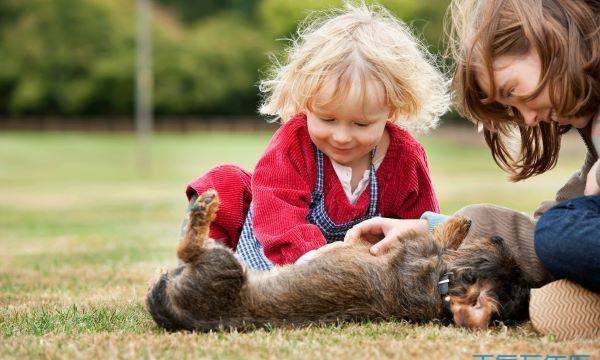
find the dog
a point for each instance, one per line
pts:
(427, 276)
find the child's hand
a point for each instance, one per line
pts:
(591, 184)
(383, 232)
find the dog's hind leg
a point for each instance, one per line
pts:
(204, 292)
(195, 236)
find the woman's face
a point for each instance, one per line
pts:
(518, 75)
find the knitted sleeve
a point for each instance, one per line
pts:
(517, 230)
(282, 186)
(575, 185)
(416, 193)
(598, 175)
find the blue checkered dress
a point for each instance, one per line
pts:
(249, 249)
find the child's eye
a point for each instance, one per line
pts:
(361, 124)
(327, 119)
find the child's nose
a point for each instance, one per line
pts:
(342, 136)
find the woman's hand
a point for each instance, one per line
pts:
(591, 183)
(383, 232)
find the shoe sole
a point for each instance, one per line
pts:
(566, 310)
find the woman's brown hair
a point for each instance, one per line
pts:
(565, 35)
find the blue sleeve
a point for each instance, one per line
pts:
(433, 219)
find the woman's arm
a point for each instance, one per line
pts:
(517, 230)
(593, 179)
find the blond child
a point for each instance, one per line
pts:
(353, 84)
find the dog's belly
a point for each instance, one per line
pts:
(346, 282)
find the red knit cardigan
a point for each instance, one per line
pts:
(285, 176)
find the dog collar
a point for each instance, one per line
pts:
(444, 289)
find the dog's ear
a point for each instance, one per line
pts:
(451, 233)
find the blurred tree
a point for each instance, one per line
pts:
(50, 53)
(212, 69)
(280, 18)
(191, 11)
(77, 58)
(64, 57)
(9, 11)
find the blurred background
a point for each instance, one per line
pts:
(89, 210)
(77, 59)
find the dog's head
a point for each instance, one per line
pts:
(486, 284)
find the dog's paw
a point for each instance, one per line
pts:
(205, 207)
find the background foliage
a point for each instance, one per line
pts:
(74, 58)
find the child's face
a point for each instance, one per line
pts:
(347, 130)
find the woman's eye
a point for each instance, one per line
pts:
(510, 93)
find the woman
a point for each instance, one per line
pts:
(533, 66)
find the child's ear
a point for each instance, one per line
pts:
(451, 233)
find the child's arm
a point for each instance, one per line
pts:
(282, 186)
(415, 194)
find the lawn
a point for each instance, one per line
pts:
(83, 226)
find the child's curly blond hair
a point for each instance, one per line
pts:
(355, 45)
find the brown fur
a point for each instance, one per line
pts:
(212, 289)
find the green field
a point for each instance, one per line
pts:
(83, 227)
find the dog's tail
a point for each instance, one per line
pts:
(205, 289)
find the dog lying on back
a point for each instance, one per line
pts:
(428, 276)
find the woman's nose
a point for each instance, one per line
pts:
(529, 116)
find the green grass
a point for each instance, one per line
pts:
(83, 228)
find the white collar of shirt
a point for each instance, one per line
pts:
(344, 173)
